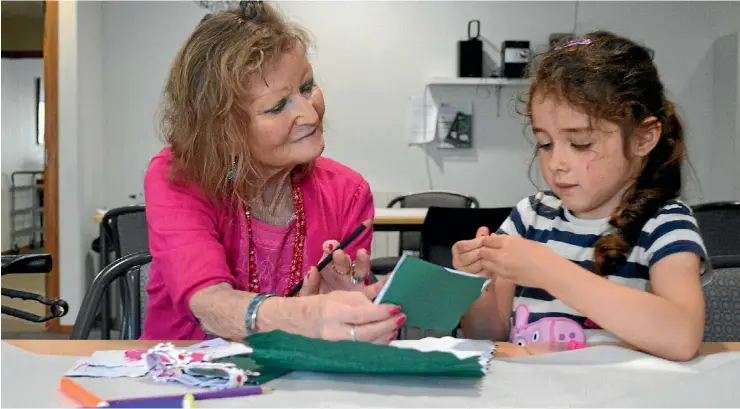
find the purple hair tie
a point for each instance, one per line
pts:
(585, 41)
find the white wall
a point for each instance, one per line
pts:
(724, 128)
(81, 137)
(393, 52)
(737, 116)
(19, 148)
(387, 52)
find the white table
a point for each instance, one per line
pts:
(598, 376)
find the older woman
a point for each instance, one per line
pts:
(240, 204)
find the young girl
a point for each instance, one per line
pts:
(610, 253)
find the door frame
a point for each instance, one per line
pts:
(50, 52)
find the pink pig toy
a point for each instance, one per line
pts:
(543, 330)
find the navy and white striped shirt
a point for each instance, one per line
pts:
(536, 315)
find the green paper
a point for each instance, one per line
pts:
(266, 374)
(432, 297)
(278, 349)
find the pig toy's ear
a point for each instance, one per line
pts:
(521, 316)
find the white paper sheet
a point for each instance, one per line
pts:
(131, 363)
(461, 348)
(421, 121)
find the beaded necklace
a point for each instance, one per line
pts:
(296, 263)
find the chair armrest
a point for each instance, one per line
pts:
(27, 264)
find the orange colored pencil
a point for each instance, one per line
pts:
(79, 393)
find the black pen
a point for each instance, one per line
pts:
(325, 262)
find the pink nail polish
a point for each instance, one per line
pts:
(395, 311)
(401, 320)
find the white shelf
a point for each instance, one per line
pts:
(513, 82)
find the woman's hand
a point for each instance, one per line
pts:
(525, 262)
(349, 315)
(466, 254)
(338, 275)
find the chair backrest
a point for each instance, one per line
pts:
(719, 224)
(94, 295)
(410, 241)
(443, 227)
(126, 230)
(722, 294)
(123, 231)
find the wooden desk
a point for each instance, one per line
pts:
(399, 219)
(393, 219)
(87, 347)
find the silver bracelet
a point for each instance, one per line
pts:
(250, 315)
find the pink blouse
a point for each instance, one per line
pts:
(195, 245)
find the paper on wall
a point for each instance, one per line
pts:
(421, 118)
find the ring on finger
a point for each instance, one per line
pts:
(355, 279)
(351, 271)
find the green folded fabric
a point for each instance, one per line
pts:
(280, 350)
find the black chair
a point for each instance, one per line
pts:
(443, 227)
(722, 294)
(30, 264)
(719, 224)
(409, 241)
(129, 268)
(123, 231)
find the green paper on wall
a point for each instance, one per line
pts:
(431, 296)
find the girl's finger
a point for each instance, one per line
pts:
(468, 258)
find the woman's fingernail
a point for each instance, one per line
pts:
(401, 320)
(395, 335)
(395, 311)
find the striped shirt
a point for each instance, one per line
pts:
(537, 315)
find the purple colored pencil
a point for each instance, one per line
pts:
(170, 401)
(152, 403)
(231, 393)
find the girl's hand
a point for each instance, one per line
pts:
(525, 262)
(350, 315)
(342, 273)
(466, 254)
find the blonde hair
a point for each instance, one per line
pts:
(203, 115)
